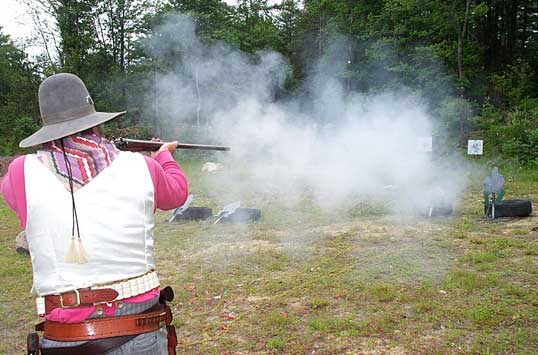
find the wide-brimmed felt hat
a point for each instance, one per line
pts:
(66, 108)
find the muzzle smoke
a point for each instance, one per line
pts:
(336, 147)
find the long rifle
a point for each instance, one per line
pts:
(137, 145)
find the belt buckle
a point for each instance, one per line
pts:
(77, 293)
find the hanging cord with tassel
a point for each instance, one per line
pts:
(76, 252)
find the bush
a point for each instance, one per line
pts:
(530, 105)
(132, 132)
(515, 83)
(512, 134)
(21, 128)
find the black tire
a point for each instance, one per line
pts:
(195, 214)
(437, 211)
(510, 208)
(242, 215)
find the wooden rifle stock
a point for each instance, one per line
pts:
(137, 145)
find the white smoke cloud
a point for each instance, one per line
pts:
(333, 146)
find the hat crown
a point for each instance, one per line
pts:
(63, 97)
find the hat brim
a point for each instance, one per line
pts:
(63, 129)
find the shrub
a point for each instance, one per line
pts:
(21, 128)
(514, 84)
(514, 133)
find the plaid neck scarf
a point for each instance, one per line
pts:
(88, 155)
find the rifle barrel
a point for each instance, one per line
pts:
(138, 145)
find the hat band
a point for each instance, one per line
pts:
(68, 115)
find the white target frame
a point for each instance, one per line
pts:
(475, 147)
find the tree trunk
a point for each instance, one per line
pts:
(524, 27)
(461, 74)
(461, 39)
(320, 35)
(122, 5)
(112, 19)
(512, 29)
(122, 36)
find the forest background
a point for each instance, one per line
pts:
(474, 62)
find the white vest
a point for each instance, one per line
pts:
(115, 213)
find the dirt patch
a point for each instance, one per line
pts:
(237, 248)
(257, 299)
(4, 164)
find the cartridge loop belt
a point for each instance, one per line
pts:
(103, 293)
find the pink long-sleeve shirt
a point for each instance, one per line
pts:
(169, 183)
(170, 191)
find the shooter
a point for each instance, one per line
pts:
(87, 209)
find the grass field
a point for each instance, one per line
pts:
(304, 282)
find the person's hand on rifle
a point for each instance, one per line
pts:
(170, 146)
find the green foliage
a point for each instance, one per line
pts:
(530, 105)
(113, 129)
(513, 133)
(457, 117)
(515, 83)
(23, 127)
(20, 128)
(214, 17)
(18, 87)
(454, 56)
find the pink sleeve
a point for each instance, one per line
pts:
(169, 182)
(13, 190)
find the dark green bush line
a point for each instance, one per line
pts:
(450, 52)
(511, 134)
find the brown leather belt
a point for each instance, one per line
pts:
(107, 327)
(79, 298)
(102, 346)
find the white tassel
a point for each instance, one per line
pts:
(82, 257)
(72, 255)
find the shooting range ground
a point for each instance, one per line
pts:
(301, 281)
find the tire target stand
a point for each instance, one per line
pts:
(231, 213)
(186, 213)
(494, 204)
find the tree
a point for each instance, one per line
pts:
(214, 18)
(18, 100)
(286, 19)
